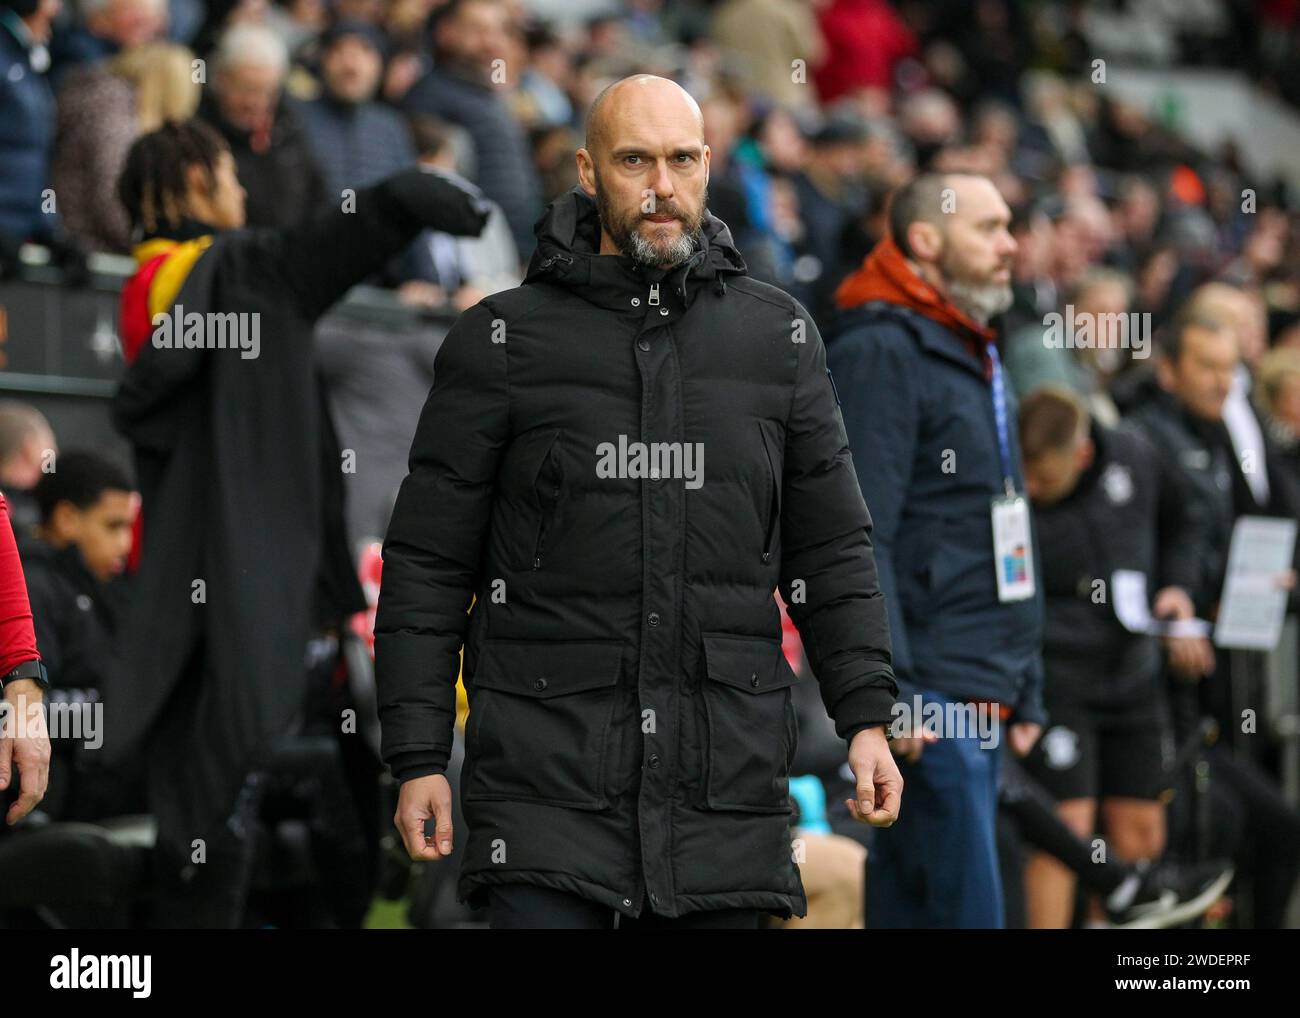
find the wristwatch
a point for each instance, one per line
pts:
(28, 670)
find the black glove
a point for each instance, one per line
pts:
(441, 201)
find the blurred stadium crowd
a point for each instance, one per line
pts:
(815, 110)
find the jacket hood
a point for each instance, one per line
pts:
(568, 242)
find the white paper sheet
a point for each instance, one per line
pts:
(1253, 604)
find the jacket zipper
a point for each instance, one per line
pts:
(544, 525)
(654, 293)
(549, 498)
(773, 503)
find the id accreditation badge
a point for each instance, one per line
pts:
(1012, 548)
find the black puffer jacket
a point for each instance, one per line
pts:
(631, 726)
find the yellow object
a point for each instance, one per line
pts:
(166, 283)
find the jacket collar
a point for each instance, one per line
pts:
(167, 237)
(567, 255)
(67, 561)
(886, 275)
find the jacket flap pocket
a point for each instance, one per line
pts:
(548, 668)
(750, 663)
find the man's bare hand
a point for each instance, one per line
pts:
(421, 799)
(1173, 603)
(1023, 735)
(879, 785)
(24, 743)
(1190, 657)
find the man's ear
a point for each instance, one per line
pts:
(1085, 454)
(925, 240)
(586, 172)
(65, 522)
(1165, 373)
(196, 181)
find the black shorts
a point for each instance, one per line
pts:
(1103, 751)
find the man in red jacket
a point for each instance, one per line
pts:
(23, 739)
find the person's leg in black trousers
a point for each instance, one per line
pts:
(525, 907)
(714, 919)
(1272, 855)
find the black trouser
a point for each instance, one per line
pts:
(212, 895)
(1268, 849)
(525, 907)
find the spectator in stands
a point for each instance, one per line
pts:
(103, 108)
(103, 29)
(463, 270)
(27, 452)
(865, 39)
(74, 570)
(245, 102)
(544, 81)
(740, 191)
(831, 195)
(934, 442)
(240, 474)
(1099, 305)
(1034, 289)
(356, 140)
(1278, 400)
(27, 112)
(467, 87)
(298, 22)
(1116, 541)
(774, 46)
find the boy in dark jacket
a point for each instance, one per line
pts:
(74, 568)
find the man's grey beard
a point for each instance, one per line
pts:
(981, 302)
(627, 236)
(643, 252)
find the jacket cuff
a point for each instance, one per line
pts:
(418, 763)
(862, 708)
(848, 736)
(1030, 709)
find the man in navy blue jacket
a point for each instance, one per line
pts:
(934, 443)
(27, 113)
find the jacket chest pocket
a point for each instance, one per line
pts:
(540, 722)
(751, 726)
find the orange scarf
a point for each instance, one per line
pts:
(885, 275)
